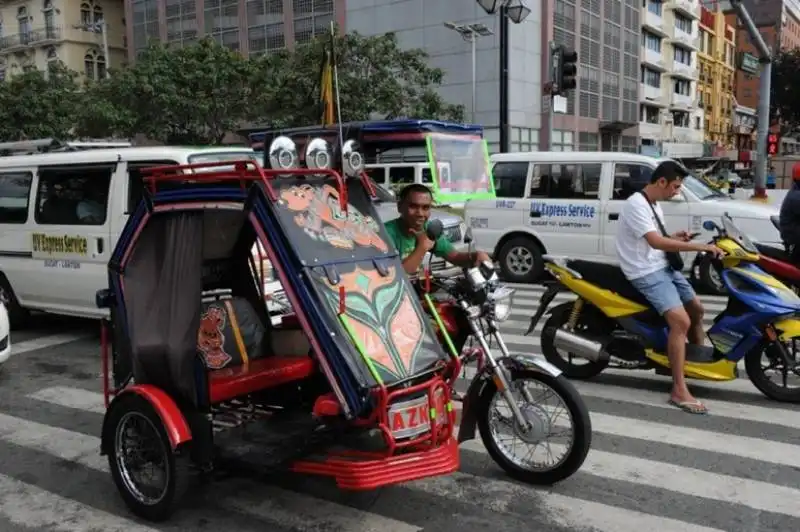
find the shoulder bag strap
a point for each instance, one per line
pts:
(655, 215)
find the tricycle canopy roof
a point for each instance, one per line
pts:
(373, 136)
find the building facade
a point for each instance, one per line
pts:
(250, 26)
(670, 120)
(716, 83)
(37, 33)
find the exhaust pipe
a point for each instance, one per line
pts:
(579, 345)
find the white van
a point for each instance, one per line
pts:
(60, 217)
(395, 176)
(568, 203)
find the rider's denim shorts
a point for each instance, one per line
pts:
(665, 289)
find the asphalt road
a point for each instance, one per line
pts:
(651, 466)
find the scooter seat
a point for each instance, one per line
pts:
(773, 252)
(608, 276)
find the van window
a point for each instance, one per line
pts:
(569, 181)
(401, 175)
(509, 179)
(629, 179)
(135, 183)
(73, 195)
(427, 177)
(15, 191)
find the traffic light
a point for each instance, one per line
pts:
(773, 140)
(565, 70)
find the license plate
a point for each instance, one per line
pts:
(412, 418)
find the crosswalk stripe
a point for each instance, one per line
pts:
(754, 494)
(578, 514)
(37, 509)
(741, 411)
(46, 341)
(686, 480)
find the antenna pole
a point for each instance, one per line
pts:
(336, 90)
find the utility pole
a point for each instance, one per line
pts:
(765, 58)
(470, 33)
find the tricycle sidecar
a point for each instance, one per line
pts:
(356, 388)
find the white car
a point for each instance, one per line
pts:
(5, 335)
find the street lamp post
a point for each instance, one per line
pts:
(516, 12)
(470, 33)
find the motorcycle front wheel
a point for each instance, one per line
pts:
(569, 417)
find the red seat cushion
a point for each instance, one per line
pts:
(260, 374)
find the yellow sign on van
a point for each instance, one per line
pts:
(59, 244)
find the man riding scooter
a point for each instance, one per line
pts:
(790, 217)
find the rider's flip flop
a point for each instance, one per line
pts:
(692, 407)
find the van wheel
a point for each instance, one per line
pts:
(521, 260)
(17, 316)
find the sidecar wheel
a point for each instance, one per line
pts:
(581, 424)
(139, 438)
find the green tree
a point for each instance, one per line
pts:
(190, 95)
(37, 104)
(376, 76)
(784, 103)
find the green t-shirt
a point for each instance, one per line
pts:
(406, 243)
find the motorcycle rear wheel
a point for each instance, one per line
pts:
(578, 413)
(586, 369)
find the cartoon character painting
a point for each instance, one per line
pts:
(210, 340)
(319, 213)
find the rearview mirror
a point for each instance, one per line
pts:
(435, 229)
(776, 221)
(468, 235)
(709, 225)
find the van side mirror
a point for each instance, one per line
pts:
(468, 236)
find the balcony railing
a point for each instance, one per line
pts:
(31, 38)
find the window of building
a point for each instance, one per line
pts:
(654, 6)
(49, 19)
(181, 19)
(94, 64)
(509, 179)
(682, 55)
(145, 23)
(222, 21)
(682, 23)
(651, 41)
(91, 16)
(266, 31)
(73, 195)
(650, 114)
(651, 77)
(681, 119)
(682, 87)
(311, 17)
(15, 191)
(24, 23)
(629, 179)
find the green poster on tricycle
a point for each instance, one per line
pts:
(460, 168)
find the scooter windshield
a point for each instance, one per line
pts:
(735, 233)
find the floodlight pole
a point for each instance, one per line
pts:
(504, 61)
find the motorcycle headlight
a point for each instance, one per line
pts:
(503, 299)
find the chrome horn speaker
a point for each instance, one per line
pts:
(352, 160)
(318, 153)
(283, 154)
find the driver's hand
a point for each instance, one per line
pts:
(714, 250)
(481, 256)
(424, 242)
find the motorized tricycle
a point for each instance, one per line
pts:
(612, 324)
(508, 392)
(198, 378)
